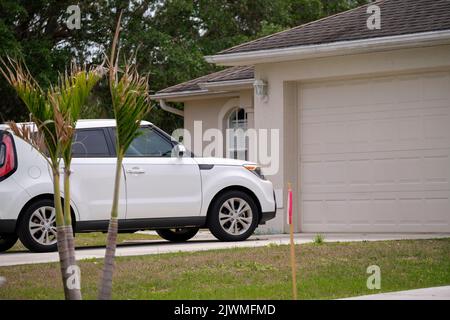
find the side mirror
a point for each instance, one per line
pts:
(179, 150)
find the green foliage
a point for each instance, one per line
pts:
(130, 99)
(36, 102)
(56, 110)
(130, 104)
(319, 239)
(67, 99)
(168, 38)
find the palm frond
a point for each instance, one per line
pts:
(130, 97)
(130, 100)
(29, 133)
(67, 100)
(35, 100)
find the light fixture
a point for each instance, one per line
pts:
(260, 88)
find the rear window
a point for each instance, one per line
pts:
(90, 143)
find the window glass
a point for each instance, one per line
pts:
(90, 143)
(237, 125)
(149, 144)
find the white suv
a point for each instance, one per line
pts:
(161, 189)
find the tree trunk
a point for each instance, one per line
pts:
(67, 263)
(63, 244)
(75, 293)
(105, 291)
(63, 257)
(108, 268)
(60, 231)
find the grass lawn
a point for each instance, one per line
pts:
(95, 239)
(327, 271)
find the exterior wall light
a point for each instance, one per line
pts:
(260, 88)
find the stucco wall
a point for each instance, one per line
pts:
(211, 112)
(207, 111)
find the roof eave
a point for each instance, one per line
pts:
(207, 89)
(331, 49)
(228, 85)
(190, 95)
(167, 95)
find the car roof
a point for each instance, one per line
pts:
(86, 123)
(101, 123)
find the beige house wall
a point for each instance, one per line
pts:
(206, 111)
(210, 113)
(279, 109)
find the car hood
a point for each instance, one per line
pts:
(222, 161)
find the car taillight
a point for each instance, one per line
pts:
(8, 161)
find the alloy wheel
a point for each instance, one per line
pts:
(235, 216)
(42, 226)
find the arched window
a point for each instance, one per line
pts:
(237, 127)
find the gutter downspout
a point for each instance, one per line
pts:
(165, 107)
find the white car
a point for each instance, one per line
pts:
(163, 188)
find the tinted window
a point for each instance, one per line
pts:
(149, 144)
(90, 143)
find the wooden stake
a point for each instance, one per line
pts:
(293, 262)
(294, 268)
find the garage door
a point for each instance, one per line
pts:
(375, 154)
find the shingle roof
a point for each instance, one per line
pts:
(398, 17)
(229, 74)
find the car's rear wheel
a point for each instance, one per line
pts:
(177, 234)
(7, 241)
(37, 228)
(233, 216)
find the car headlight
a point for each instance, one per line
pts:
(255, 169)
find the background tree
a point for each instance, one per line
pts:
(168, 38)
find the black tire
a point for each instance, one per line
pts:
(7, 241)
(24, 233)
(177, 234)
(220, 231)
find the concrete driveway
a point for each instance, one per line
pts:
(435, 293)
(203, 241)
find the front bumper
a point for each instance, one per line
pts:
(266, 216)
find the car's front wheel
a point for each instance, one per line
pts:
(37, 228)
(7, 241)
(233, 216)
(177, 234)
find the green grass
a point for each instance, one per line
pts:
(328, 271)
(319, 239)
(95, 239)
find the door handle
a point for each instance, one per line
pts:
(136, 170)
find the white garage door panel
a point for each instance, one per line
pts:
(375, 154)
